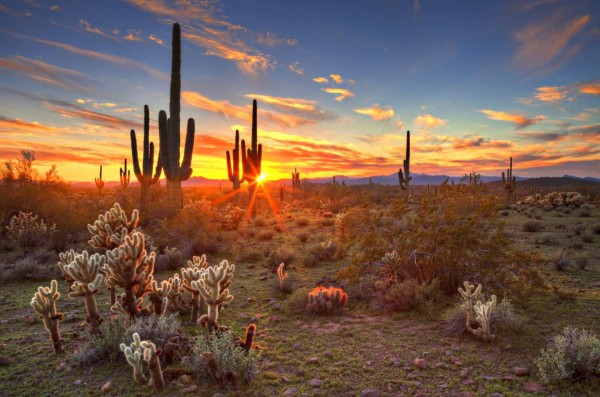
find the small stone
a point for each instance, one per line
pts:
(300, 373)
(420, 363)
(313, 360)
(4, 361)
(508, 377)
(78, 382)
(490, 378)
(297, 346)
(30, 319)
(521, 371)
(251, 299)
(290, 391)
(190, 389)
(72, 317)
(370, 393)
(496, 395)
(464, 373)
(416, 384)
(328, 353)
(468, 382)
(183, 379)
(533, 387)
(263, 278)
(106, 387)
(316, 382)
(455, 361)
(286, 379)
(61, 366)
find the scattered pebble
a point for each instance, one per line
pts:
(78, 382)
(106, 387)
(4, 361)
(316, 382)
(290, 391)
(420, 363)
(521, 371)
(370, 393)
(313, 360)
(533, 387)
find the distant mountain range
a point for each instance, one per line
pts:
(417, 179)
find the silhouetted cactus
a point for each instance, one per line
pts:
(169, 130)
(252, 158)
(404, 177)
(296, 179)
(99, 182)
(510, 182)
(44, 302)
(144, 174)
(233, 172)
(124, 175)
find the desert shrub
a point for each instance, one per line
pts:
(302, 221)
(546, 239)
(170, 259)
(302, 237)
(103, 347)
(582, 261)
(230, 357)
(323, 300)
(577, 245)
(326, 222)
(405, 295)
(504, 317)
(250, 233)
(596, 228)
(157, 329)
(202, 243)
(309, 260)
(27, 232)
(572, 355)
(532, 226)
(28, 269)
(578, 229)
(505, 213)
(278, 228)
(323, 251)
(279, 255)
(450, 237)
(560, 260)
(260, 221)
(587, 238)
(296, 303)
(196, 229)
(585, 213)
(265, 235)
(251, 255)
(560, 226)
(232, 216)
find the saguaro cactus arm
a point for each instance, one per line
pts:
(144, 174)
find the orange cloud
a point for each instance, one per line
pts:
(427, 122)
(341, 93)
(376, 112)
(134, 35)
(93, 29)
(105, 120)
(590, 89)
(543, 43)
(336, 78)
(519, 120)
(222, 107)
(320, 80)
(156, 39)
(295, 68)
(550, 94)
(271, 40)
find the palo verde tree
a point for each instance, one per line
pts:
(169, 130)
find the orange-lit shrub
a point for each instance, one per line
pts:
(326, 300)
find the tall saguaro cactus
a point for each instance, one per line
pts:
(169, 133)
(144, 175)
(295, 179)
(124, 175)
(510, 182)
(99, 182)
(252, 158)
(234, 172)
(404, 177)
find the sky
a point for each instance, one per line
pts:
(337, 83)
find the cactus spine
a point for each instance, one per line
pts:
(85, 271)
(99, 182)
(144, 174)
(234, 172)
(404, 177)
(124, 175)
(169, 130)
(44, 302)
(295, 179)
(252, 158)
(510, 182)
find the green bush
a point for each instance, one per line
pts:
(572, 355)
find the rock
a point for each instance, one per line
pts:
(328, 353)
(290, 391)
(263, 278)
(286, 379)
(72, 317)
(420, 363)
(370, 393)
(533, 387)
(316, 382)
(300, 373)
(468, 382)
(490, 378)
(106, 387)
(496, 395)
(455, 361)
(464, 373)
(61, 366)
(4, 361)
(77, 382)
(185, 379)
(416, 384)
(521, 371)
(464, 394)
(297, 346)
(313, 360)
(395, 362)
(30, 319)
(190, 389)
(508, 377)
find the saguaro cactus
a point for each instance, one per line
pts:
(130, 267)
(295, 179)
(252, 158)
(510, 182)
(234, 172)
(85, 271)
(214, 287)
(169, 133)
(404, 177)
(124, 175)
(144, 175)
(99, 182)
(44, 302)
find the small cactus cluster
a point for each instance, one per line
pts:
(478, 314)
(44, 302)
(144, 354)
(326, 300)
(193, 272)
(296, 179)
(556, 200)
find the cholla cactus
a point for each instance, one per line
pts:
(283, 276)
(110, 229)
(470, 295)
(214, 286)
(130, 267)
(325, 300)
(150, 355)
(25, 230)
(85, 271)
(159, 297)
(248, 340)
(179, 297)
(65, 258)
(196, 267)
(483, 313)
(339, 220)
(44, 302)
(133, 354)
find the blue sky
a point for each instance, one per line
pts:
(338, 83)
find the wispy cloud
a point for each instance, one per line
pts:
(54, 8)
(295, 68)
(271, 40)
(518, 120)
(93, 29)
(46, 73)
(336, 78)
(427, 122)
(156, 39)
(544, 43)
(69, 110)
(320, 80)
(376, 112)
(550, 94)
(305, 108)
(341, 93)
(555, 95)
(134, 35)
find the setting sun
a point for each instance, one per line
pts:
(262, 177)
